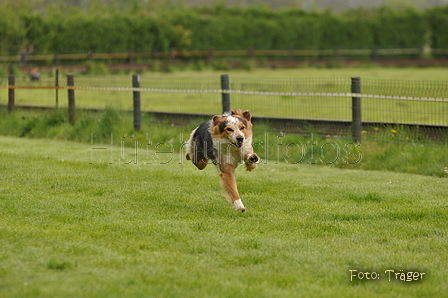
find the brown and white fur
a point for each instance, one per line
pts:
(226, 140)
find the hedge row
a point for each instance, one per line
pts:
(219, 28)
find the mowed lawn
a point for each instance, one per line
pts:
(74, 225)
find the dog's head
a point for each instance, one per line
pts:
(233, 128)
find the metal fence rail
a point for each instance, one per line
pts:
(295, 104)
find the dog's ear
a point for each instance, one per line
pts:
(247, 115)
(216, 119)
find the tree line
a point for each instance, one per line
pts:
(109, 29)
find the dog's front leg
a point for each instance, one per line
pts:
(228, 183)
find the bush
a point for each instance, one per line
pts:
(95, 68)
(438, 22)
(104, 29)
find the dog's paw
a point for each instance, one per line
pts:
(238, 205)
(252, 162)
(253, 158)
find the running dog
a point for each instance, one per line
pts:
(226, 140)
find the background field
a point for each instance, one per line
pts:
(72, 225)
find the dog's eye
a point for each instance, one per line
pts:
(229, 129)
(242, 128)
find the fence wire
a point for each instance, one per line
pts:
(292, 105)
(181, 101)
(406, 111)
(420, 107)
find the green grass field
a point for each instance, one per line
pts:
(73, 225)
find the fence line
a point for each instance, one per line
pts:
(219, 91)
(375, 53)
(420, 106)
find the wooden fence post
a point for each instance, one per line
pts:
(422, 52)
(337, 53)
(210, 56)
(56, 84)
(171, 58)
(376, 53)
(23, 59)
(225, 95)
(131, 58)
(250, 54)
(56, 58)
(136, 98)
(292, 55)
(356, 110)
(71, 98)
(11, 93)
(56, 77)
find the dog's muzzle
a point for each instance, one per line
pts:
(239, 142)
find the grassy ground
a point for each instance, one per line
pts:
(111, 126)
(73, 226)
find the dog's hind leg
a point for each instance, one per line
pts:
(196, 155)
(201, 163)
(228, 183)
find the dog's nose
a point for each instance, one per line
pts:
(240, 139)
